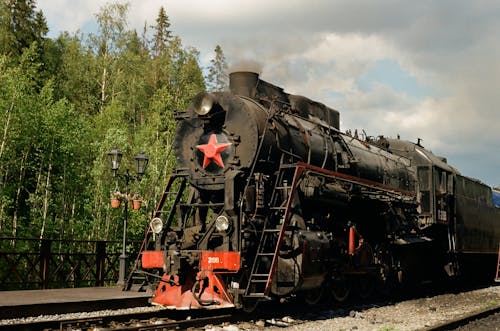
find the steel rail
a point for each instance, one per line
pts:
(464, 320)
(155, 320)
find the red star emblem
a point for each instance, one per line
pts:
(212, 151)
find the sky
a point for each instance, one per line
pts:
(417, 69)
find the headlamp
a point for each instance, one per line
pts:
(205, 105)
(222, 223)
(156, 225)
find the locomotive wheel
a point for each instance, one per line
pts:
(387, 280)
(314, 296)
(388, 286)
(340, 288)
(365, 285)
(250, 305)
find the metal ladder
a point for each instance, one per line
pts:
(135, 276)
(497, 277)
(264, 264)
(168, 192)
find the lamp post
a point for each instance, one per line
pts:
(141, 163)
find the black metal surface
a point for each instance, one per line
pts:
(383, 208)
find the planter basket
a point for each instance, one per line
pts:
(115, 203)
(136, 204)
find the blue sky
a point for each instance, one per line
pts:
(388, 72)
(421, 69)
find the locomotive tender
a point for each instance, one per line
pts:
(270, 200)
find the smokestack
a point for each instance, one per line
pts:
(243, 83)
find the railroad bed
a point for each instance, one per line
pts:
(15, 304)
(432, 312)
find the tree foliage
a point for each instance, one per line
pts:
(20, 26)
(162, 35)
(65, 102)
(217, 75)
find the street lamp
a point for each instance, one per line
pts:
(141, 163)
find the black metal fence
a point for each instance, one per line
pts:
(42, 263)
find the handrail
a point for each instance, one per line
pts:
(33, 263)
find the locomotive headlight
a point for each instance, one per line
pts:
(156, 225)
(205, 105)
(222, 223)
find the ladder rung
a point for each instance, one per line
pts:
(265, 254)
(258, 281)
(255, 295)
(278, 208)
(218, 204)
(272, 230)
(259, 275)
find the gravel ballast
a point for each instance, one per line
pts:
(413, 314)
(416, 314)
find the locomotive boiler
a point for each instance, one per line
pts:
(271, 200)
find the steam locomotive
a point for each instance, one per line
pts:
(271, 200)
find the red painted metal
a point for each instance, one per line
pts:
(286, 217)
(212, 151)
(352, 240)
(207, 291)
(497, 277)
(152, 259)
(220, 261)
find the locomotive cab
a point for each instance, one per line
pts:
(435, 182)
(455, 210)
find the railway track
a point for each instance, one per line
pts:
(157, 320)
(467, 319)
(271, 314)
(406, 313)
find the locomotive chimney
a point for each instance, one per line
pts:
(243, 83)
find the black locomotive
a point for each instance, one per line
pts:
(271, 200)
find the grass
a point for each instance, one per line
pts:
(491, 303)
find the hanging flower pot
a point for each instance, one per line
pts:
(115, 203)
(136, 204)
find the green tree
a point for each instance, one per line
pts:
(107, 44)
(7, 38)
(20, 26)
(162, 50)
(19, 120)
(217, 75)
(131, 80)
(78, 74)
(65, 102)
(43, 154)
(162, 34)
(60, 176)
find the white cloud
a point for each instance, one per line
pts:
(66, 15)
(320, 49)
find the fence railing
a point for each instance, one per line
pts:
(43, 263)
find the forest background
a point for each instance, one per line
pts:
(66, 102)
